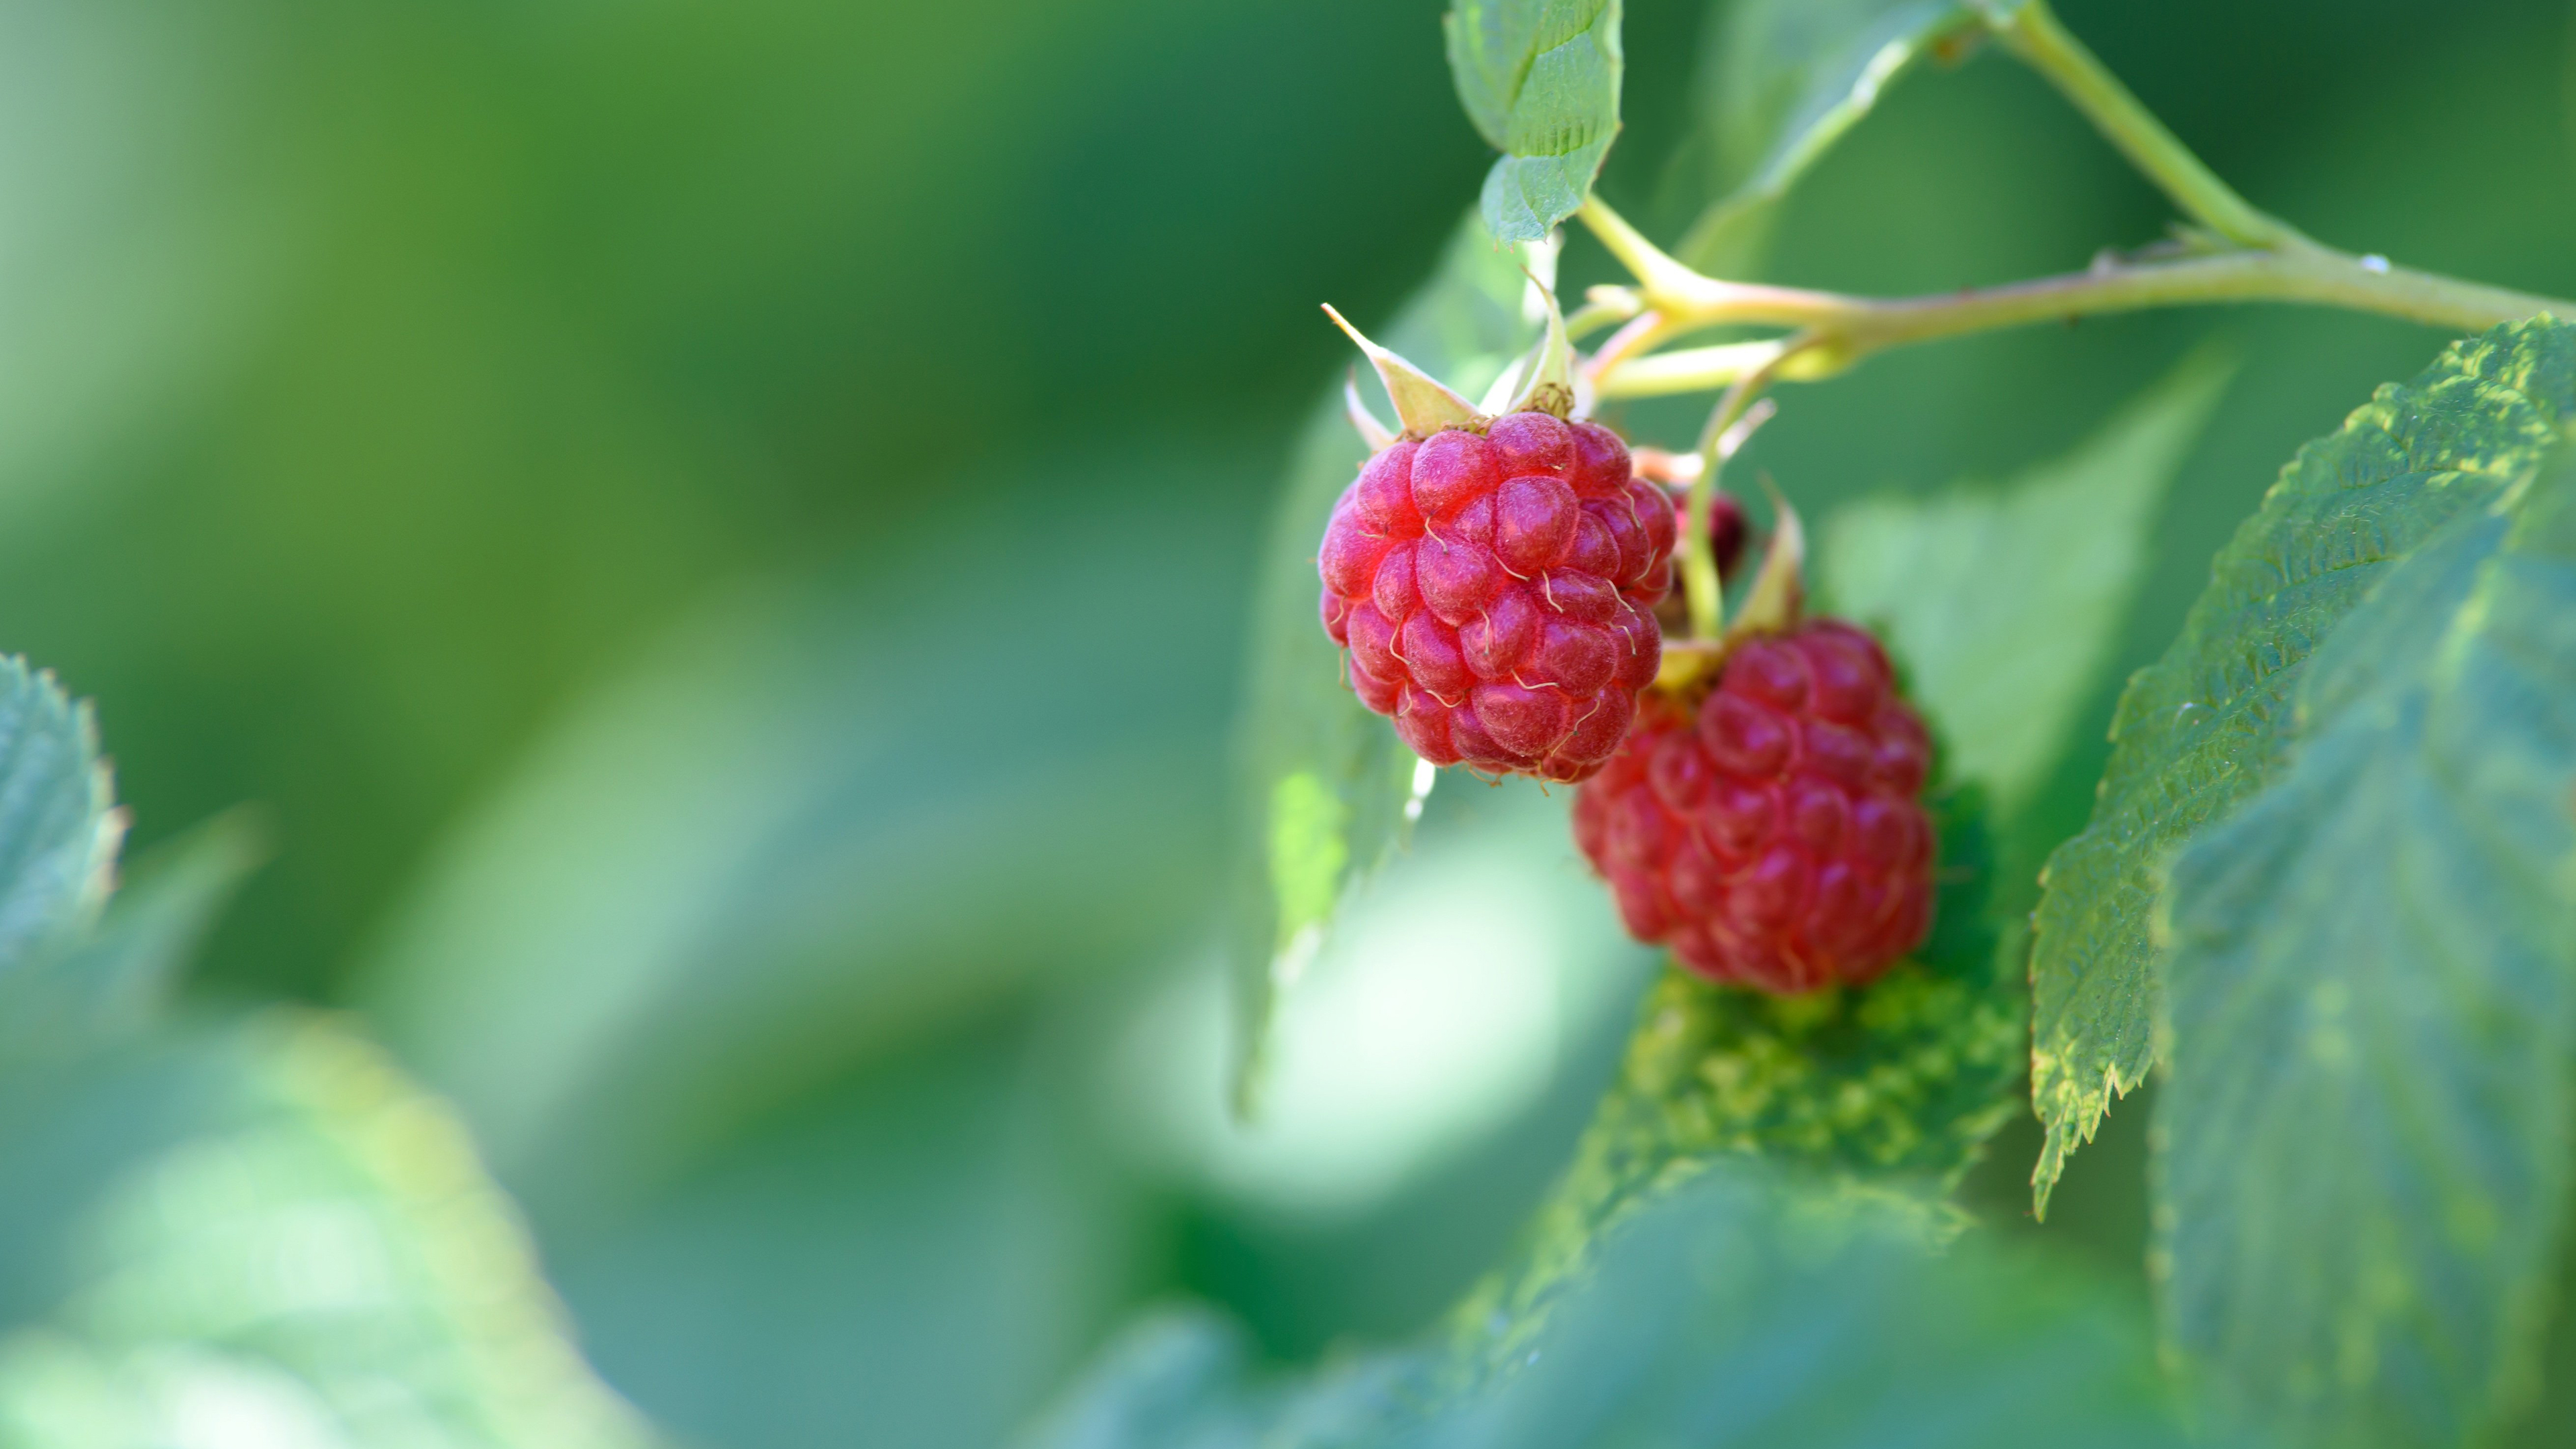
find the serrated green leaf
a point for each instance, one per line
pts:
(1326, 789)
(1782, 81)
(58, 828)
(2372, 988)
(267, 1223)
(2003, 603)
(1540, 78)
(1737, 1309)
(2203, 728)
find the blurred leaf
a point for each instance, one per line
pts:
(1540, 78)
(2004, 603)
(913, 1258)
(731, 920)
(263, 1233)
(80, 990)
(2202, 728)
(1325, 788)
(2372, 987)
(58, 832)
(1733, 1310)
(1781, 83)
(812, 826)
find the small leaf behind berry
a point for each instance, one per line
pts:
(2004, 603)
(1325, 789)
(2205, 727)
(2363, 1134)
(87, 988)
(1540, 78)
(1782, 81)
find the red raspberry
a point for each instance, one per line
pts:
(1775, 837)
(1497, 591)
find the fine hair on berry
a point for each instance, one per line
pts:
(1773, 833)
(1494, 592)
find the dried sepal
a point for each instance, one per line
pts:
(1372, 431)
(1778, 597)
(1421, 403)
(1550, 373)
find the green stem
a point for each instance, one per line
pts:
(2036, 36)
(1703, 596)
(1840, 330)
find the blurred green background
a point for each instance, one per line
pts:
(718, 534)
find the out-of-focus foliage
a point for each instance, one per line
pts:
(229, 1232)
(91, 982)
(677, 974)
(388, 395)
(1734, 1310)
(1780, 83)
(261, 1234)
(2372, 982)
(2005, 602)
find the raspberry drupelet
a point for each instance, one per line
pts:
(1773, 835)
(1495, 592)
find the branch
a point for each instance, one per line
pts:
(1842, 329)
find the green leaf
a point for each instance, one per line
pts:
(1735, 1310)
(58, 830)
(2203, 728)
(267, 1223)
(1325, 788)
(2372, 986)
(1892, 1087)
(1540, 78)
(80, 990)
(1782, 82)
(2004, 603)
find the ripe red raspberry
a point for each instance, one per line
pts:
(1774, 837)
(1496, 592)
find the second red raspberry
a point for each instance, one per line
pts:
(1774, 835)
(1496, 592)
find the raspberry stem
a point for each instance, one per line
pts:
(1840, 330)
(1729, 424)
(2234, 253)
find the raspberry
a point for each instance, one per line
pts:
(1774, 837)
(1496, 592)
